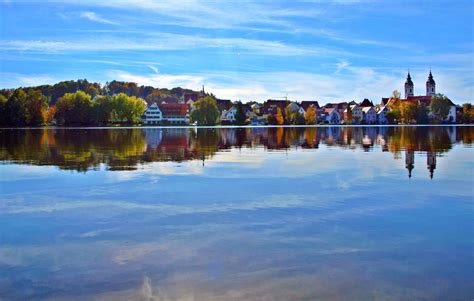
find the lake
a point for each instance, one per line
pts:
(318, 213)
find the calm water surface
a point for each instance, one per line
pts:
(370, 213)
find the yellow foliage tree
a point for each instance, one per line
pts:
(279, 117)
(310, 115)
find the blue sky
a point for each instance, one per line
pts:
(308, 50)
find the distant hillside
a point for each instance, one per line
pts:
(149, 93)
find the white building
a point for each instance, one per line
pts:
(370, 116)
(152, 115)
(357, 114)
(229, 115)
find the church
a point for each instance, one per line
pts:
(426, 99)
(430, 87)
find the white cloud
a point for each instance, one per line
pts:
(167, 41)
(154, 69)
(92, 16)
(158, 80)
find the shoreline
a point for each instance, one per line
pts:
(235, 126)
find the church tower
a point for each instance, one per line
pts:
(430, 86)
(408, 86)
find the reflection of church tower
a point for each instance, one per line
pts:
(409, 86)
(430, 86)
(409, 161)
(431, 163)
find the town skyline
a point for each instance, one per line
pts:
(328, 51)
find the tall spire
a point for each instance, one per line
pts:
(409, 87)
(430, 85)
(409, 78)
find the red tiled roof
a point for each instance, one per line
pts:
(194, 96)
(176, 109)
(223, 104)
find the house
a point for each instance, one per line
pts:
(190, 97)
(357, 114)
(381, 114)
(223, 104)
(452, 113)
(366, 103)
(174, 112)
(305, 104)
(152, 115)
(294, 107)
(370, 115)
(228, 116)
(331, 116)
(271, 105)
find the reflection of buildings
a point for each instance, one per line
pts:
(153, 137)
(431, 163)
(119, 148)
(410, 162)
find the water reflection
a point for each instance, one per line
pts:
(126, 149)
(274, 214)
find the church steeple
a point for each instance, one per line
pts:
(409, 86)
(430, 85)
(202, 93)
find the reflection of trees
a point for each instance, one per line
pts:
(419, 139)
(82, 149)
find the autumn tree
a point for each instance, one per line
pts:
(205, 111)
(50, 114)
(348, 116)
(467, 114)
(279, 117)
(310, 115)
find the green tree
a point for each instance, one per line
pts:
(393, 116)
(240, 116)
(3, 105)
(74, 109)
(15, 108)
(440, 105)
(205, 111)
(127, 109)
(408, 111)
(101, 110)
(35, 108)
(421, 114)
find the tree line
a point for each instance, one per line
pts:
(32, 108)
(81, 102)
